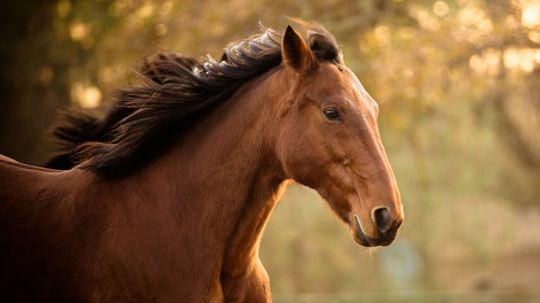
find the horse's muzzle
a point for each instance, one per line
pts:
(383, 239)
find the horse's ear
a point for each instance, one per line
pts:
(295, 51)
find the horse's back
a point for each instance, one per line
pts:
(6, 158)
(8, 162)
(32, 234)
(21, 184)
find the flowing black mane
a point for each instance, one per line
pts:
(175, 92)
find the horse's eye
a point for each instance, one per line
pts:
(331, 114)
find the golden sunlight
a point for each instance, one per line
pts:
(145, 11)
(524, 59)
(87, 96)
(486, 63)
(424, 17)
(78, 30)
(474, 25)
(440, 8)
(534, 36)
(530, 15)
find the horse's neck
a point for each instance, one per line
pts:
(226, 178)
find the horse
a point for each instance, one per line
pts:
(169, 202)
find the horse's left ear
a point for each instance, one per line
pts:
(295, 51)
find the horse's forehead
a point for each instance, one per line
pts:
(331, 80)
(357, 86)
(361, 93)
(342, 81)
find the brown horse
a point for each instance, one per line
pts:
(171, 203)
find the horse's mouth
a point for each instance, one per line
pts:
(358, 233)
(362, 239)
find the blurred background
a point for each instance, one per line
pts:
(458, 82)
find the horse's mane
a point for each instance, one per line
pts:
(176, 91)
(75, 127)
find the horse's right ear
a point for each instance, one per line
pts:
(295, 51)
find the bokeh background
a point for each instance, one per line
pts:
(458, 82)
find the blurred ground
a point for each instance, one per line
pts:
(458, 86)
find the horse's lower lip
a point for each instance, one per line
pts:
(364, 240)
(359, 233)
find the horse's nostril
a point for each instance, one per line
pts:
(382, 220)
